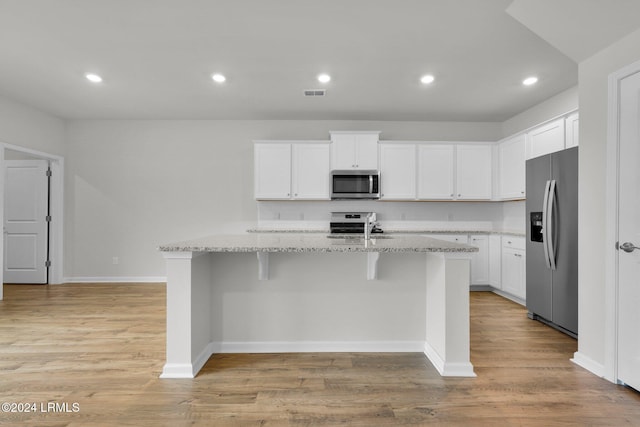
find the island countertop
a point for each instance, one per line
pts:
(309, 242)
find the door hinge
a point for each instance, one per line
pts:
(48, 218)
(49, 172)
(47, 263)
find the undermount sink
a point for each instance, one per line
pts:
(358, 237)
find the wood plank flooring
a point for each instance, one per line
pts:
(101, 347)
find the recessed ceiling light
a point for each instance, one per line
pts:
(427, 79)
(530, 81)
(94, 78)
(218, 78)
(324, 78)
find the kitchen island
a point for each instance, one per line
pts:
(294, 292)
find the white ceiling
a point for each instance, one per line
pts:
(156, 58)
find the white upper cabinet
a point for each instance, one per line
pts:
(572, 131)
(511, 160)
(272, 170)
(454, 171)
(354, 150)
(436, 171)
(285, 170)
(546, 139)
(473, 172)
(311, 171)
(398, 171)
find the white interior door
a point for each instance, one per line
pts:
(629, 233)
(25, 221)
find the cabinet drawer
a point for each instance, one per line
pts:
(513, 242)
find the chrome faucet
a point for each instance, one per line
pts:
(369, 223)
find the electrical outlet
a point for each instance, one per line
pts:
(115, 260)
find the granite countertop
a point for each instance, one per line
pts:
(314, 242)
(394, 231)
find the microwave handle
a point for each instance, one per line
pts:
(370, 184)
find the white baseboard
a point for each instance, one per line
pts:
(447, 369)
(117, 279)
(318, 347)
(187, 370)
(509, 297)
(588, 364)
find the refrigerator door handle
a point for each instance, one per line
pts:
(550, 225)
(545, 236)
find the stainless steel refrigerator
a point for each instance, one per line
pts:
(552, 239)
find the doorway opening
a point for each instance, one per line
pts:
(622, 261)
(53, 215)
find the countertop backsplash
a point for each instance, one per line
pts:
(396, 216)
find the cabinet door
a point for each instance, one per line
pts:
(512, 167)
(311, 171)
(495, 261)
(366, 151)
(435, 172)
(513, 271)
(546, 139)
(480, 260)
(272, 171)
(354, 151)
(398, 171)
(343, 151)
(572, 131)
(473, 172)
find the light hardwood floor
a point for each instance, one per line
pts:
(101, 346)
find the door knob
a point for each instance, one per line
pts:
(628, 247)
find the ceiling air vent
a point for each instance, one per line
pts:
(315, 92)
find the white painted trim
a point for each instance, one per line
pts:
(177, 370)
(190, 370)
(318, 347)
(2, 222)
(56, 227)
(508, 296)
(447, 369)
(588, 364)
(117, 279)
(610, 368)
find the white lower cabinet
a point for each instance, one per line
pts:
(514, 266)
(500, 261)
(480, 260)
(495, 261)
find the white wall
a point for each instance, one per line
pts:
(29, 128)
(132, 185)
(593, 77)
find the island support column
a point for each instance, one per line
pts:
(447, 316)
(188, 313)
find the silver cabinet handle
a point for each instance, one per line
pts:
(628, 247)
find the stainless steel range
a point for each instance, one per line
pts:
(353, 222)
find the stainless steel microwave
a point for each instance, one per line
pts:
(355, 184)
